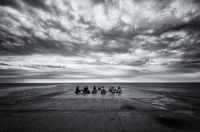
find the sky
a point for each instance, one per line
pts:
(99, 41)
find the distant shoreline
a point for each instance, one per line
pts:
(98, 82)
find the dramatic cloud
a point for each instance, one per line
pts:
(99, 40)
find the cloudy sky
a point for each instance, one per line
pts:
(99, 41)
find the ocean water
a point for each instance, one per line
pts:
(133, 85)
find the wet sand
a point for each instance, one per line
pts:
(55, 107)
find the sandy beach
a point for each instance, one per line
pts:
(55, 107)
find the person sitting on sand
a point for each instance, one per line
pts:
(94, 91)
(103, 91)
(113, 90)
(119, 90)
(86, 90)
(99, 88)
(77, 90)
(110, 89)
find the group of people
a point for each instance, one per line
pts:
(113, 90)
(94, 91)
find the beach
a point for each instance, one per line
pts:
(140, 107)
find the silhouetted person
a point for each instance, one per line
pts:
(94, 91)
(113, 90)
(119, 90)
(110, 88)
(86, 90)
(99, 88)
(103, 91)
(77, 90)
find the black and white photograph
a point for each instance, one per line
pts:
(99, 65)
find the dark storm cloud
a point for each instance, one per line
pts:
(98, 1)
(11, 3)
(64, 74)
(40, 4)
(113, 34)
(134, 33)
(24, 74)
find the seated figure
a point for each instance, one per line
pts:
(113, 90)
(119, 90)
(77, 90)
(99, 88)
(110, 88)
(86, 90)
(103, 91)
(94, 91)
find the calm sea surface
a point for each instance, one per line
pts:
(183, 86)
